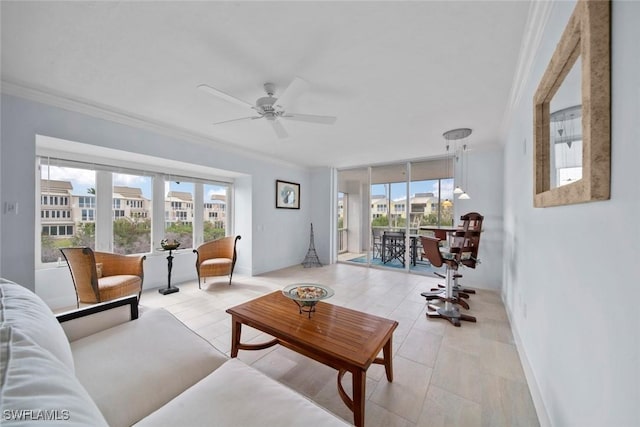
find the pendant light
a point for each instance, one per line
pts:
(455, 135)
(464, 195)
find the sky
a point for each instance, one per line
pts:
(83, 179)
(398, 190)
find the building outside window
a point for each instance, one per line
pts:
(178, 221)
(69, 204)
(215, 211)
(68, 224)
(132, 213)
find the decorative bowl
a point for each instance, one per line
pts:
(307, 295)
(169, 245)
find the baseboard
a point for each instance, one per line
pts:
(534, 389)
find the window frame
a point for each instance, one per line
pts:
(109, 167)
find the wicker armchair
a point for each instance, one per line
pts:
(103, 276)
(216, 258)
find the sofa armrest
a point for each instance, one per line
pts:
(95, 318)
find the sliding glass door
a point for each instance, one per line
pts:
(388, 216)
(382, 209)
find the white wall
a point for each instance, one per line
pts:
(570, 283)
(271, 238)
(1, 200)
(324, 229)
(356, 205)
(484, 186)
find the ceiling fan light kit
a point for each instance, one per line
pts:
(272, 108)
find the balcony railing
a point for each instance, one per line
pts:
(342, 240)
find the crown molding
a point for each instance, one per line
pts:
(93, 109)
(537, 18)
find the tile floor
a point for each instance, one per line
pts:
(443, 375)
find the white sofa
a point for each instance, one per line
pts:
(104, 365)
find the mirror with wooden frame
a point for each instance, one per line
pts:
(585, 39)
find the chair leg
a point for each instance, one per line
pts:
(439, 294)
(449, 311)
(199, 287)
(462, 303)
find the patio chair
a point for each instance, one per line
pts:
(216, 258)
(103, 276)
(393, 246)
(376, 243)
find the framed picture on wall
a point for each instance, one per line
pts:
(287, 195)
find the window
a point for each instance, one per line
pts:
(402, 196)
(88, 215)
(62, 222)
(71, 209)
(433, 201)
(132, 213)
(178, 216)
(215, 206)
(87, 201)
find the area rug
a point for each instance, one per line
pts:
(420, 267)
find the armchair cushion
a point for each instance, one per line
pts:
(117, 264)
(112, 287)
(215, 267)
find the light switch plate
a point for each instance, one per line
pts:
(11, 208)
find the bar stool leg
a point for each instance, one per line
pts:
(450, 311)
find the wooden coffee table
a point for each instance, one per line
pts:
(345, 339)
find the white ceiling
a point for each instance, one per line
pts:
(396, 74)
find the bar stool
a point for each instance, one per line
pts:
(450, 312)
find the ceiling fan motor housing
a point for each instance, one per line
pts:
(264, 106)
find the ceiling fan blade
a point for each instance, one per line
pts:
(279, 129)
(220, 94)
(311, 118)
(295, 89)
(237, 120)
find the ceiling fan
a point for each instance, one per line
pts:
(271, 108)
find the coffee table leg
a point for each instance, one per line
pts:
(359, 383)
(386, 353)
(236, 329)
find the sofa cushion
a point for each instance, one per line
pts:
(25, 311)
(239, 395)
(133, 369)
(37, 388)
